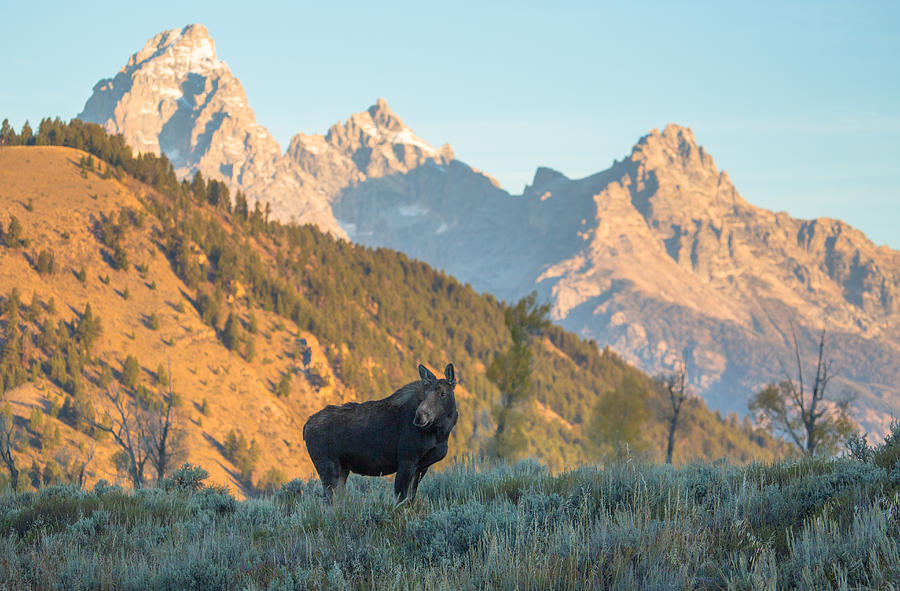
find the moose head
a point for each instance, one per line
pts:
(439, 403)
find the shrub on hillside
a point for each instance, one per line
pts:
(271, 480)
(46, 262)
(884, 455)
(131, 372)
(188, 478)
(120, 258)
(13, 235)
(243, 454)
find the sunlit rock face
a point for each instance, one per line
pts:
(175, 97)
(660, 257)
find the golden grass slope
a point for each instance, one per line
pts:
(58, 209)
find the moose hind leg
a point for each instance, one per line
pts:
(330, 475)
(342, 478)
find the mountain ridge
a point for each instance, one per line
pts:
(342, 322)
(658, 255)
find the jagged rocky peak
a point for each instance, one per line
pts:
(675, 146)
(676, 182)
(176, 97)
(186, 49)
(372, 143)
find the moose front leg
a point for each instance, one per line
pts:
(405, 474)
(414, 485)
(434, 455)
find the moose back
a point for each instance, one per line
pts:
(404, 433)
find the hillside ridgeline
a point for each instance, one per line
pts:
(256, 324)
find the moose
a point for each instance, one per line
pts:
(404, 433)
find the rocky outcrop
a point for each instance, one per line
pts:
(372, 144)
(175, 97)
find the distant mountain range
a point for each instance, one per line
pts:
(658, 255)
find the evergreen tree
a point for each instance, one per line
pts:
(241, 209)
(120, 258)
(11, 305)
(232, 334)
(26, 136)
(46, 263)
(131, 372)
(198, 187)
(7, 134)
(284, 386)
(88, 329)
(13, 233)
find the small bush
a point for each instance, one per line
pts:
(131, 372)
(283, 389)
(13, 236)
(188, 478)
(216, 500)
(271, 481)
(120, 258)
(46, 262)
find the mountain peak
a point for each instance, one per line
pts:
(176, 97)
(674, 146)
(188, 49)
(383, 116)
(544, 176)
(376, 141)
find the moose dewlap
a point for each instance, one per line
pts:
(404, 433)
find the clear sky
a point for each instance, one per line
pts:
(799, 102)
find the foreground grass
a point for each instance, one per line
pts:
(808, 525)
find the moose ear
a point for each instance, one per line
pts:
(450, 374)
(426, 375)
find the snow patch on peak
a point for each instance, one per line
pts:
(406, 136)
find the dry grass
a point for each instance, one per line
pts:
(64, 211)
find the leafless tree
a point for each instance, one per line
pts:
(147, 431)
(76, 469)
(814, 423)
(675, 385)
(128, 426)
(9, 434)
(164, 440)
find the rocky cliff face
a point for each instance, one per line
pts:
(372, 144)
(662, 258)
(175, 97)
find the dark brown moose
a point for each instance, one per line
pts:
(404, 433)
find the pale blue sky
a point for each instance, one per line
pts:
(799, 102)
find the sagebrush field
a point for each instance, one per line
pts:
(812, 524)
